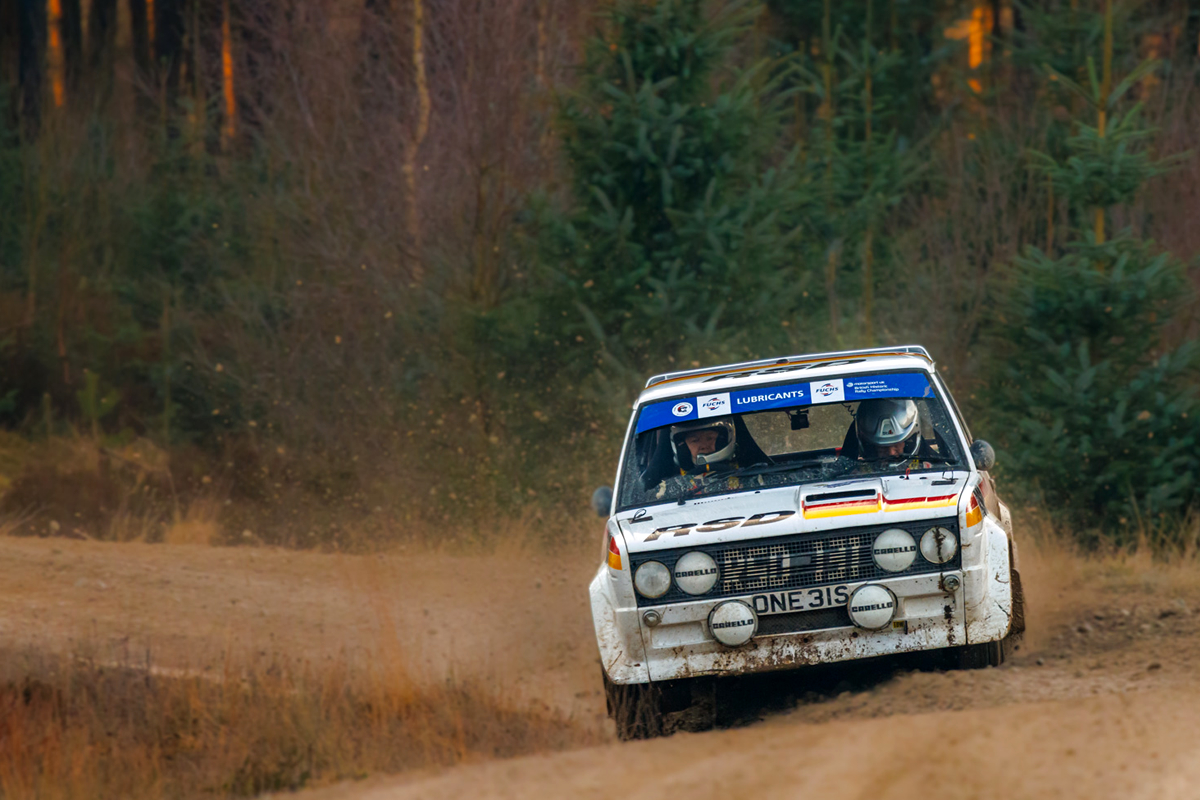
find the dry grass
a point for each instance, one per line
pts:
(1170, 553)
(197, 524)
(77, 486)
(86, 488)
(1060, 577)
(79, 730)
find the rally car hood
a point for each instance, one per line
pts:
(793, 509)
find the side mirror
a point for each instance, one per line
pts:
(983, 455)
(602, 500)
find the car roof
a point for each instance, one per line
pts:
(813, 366)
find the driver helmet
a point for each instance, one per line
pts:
(726, 440)
(887, 421)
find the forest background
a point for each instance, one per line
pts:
(347, 273)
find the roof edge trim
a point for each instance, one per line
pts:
(811, 358)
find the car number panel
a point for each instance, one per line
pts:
(793, 600)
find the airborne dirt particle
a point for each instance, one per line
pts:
(538, 643)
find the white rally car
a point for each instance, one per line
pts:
(796, 511)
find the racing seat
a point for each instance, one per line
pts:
(747, 451)
(661, 462)
(850, 443)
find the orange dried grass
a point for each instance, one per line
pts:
(78, 729)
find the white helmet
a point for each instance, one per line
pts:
(726, 441)
(888, 421)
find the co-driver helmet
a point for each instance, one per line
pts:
(888, 421)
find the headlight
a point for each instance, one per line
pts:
(652, 580)
(733, 623)
(939, 545)
(696, 572)
(871, 607)
(894, 550)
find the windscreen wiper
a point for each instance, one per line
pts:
(768, 469)
(750, 471)
(930, 459)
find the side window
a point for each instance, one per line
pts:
(954, 407)
(926, 420)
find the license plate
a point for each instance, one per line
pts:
(801, 599)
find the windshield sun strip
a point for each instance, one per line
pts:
(790, 394)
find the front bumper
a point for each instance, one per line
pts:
(927, 618)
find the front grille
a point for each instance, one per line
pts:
(798, 621)
(796, 561)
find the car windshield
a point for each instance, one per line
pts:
(787, 434)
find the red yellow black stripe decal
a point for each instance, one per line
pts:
(870, 505)
(912, 503)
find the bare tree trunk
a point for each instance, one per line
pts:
(9, 43)
(868, 240)
(543, 41)
(378, 17)
(165, 330)
(102, 34)
(31, 65)
(72, 41)
(1105, 91)
(412, 149)
(229, 128)
(1049, 215)
(55, 66)
(60, 334)
(827, 113)
(168, 49)
(139, 23)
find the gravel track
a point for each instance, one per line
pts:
(1102, 700)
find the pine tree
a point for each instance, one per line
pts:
(1095, 410)
(862, 165)
(686, 210)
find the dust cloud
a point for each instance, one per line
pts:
(1099, 700)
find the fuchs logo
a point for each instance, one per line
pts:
(712, 405)
(682, 409)
(830, 391)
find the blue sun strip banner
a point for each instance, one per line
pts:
(764, 398)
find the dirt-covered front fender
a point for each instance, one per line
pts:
(618, 636)
(988, 586)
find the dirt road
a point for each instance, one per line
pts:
(1101, 701)
(519, 622)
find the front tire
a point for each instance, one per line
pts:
(636, 708)
(1018, 602)
(647, 710)
(983, 655)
